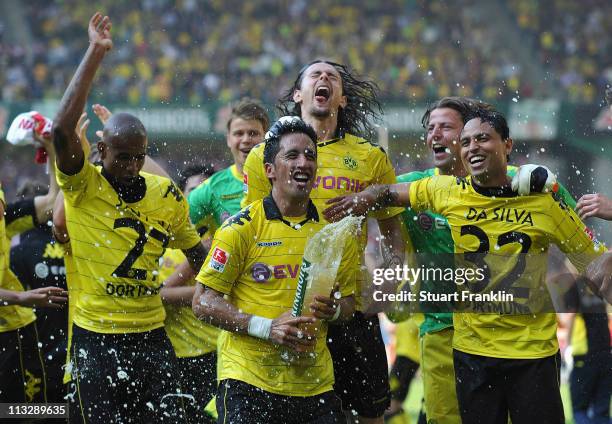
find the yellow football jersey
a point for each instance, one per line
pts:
(255, 260)
(189, 336)
(12, 317)
(345, 165)
(116, 248)
(499, 224)
(407, 337)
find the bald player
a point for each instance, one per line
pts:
(120, 221)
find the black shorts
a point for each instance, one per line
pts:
(199, 380)
(526, 389)
(242, 403)
(360, 365)
(401, 376)
(591, 386)
(22, 372)
(125, 378)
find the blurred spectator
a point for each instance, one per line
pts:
(197, 51)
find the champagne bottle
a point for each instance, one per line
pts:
(320, 263)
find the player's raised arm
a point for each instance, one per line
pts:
(372, 198)
(68, 149)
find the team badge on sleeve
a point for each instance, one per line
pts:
(219, 259)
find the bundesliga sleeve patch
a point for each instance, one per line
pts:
(219, 259)
(245, 183)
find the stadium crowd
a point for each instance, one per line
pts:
(572, 41)
(197, 51)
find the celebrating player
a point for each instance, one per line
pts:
(247, 287)
(508, 374)
(431, 238)
(339, 107)
(120, 221)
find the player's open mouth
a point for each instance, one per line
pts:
(300, 177)
(246, 151)
(322, 93)
(474, 160)
(438, 148)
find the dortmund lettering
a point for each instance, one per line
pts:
(131, 290)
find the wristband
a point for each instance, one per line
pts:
(260, 327)
(337, 314)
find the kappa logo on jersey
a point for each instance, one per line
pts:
(219, 259)
(174, 191)
(53, 251)
(269, 243)
(244, 214)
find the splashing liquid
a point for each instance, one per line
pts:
(320, 263)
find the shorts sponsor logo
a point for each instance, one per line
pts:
(219, 259)
(260, 272)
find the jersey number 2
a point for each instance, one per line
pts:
(477, 258)
(125, 270)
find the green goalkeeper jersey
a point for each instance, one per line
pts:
(216, 199)
(433, 243)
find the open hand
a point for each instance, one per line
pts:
(357, 204)
(44, 297)
(594, 205)
(99, 31)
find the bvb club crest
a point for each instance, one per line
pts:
(349, 162)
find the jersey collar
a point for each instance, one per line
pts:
(272, 212)
(235, 173)
(130, 194)
(503, 191)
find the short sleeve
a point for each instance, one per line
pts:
(421, 195)
(383, 174)
(20, 217)
(183, 234)
(77, 186)
(226, 258)
(199, 206)
(256, 184)
(573, 237)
